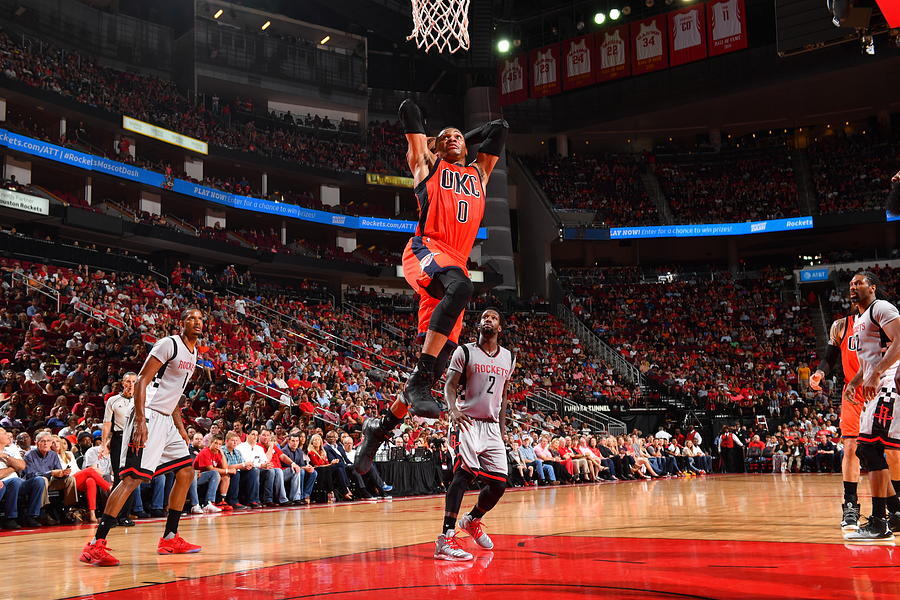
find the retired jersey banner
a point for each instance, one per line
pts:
(545, 71)
(687, 35)
(726, 25)
(650, 51)
(579, 59)
(612, 46)
(511, 75)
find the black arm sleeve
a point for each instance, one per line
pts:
(411, 117)
(893, 203)
(832, 353)
(491, 136)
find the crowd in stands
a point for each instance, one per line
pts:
(718, 341)
(607, 184)
(730, 188)
(853, 173)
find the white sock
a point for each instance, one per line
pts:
(450, 533)
(168, 536)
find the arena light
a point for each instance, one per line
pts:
(615, 14)
(324, 40)
(600, 18)
(218, 13)
(266, 25)
(503, 46)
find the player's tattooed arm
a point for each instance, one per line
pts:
(503, 408)
(832, 353)
(148, 372)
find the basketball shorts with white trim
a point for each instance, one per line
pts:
(880, 421)
(165, 450)
(480, 448)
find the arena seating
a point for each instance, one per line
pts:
(729, 188)
(606, 183)
(853, 173)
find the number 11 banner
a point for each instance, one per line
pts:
(649, 45)
(727, 26)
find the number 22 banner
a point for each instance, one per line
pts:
(612, 46)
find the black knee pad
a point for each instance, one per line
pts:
(457, 291)
(871, 457)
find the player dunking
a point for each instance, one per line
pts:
(450, 194)
(841, 343)
(878, 447)
(157, 440)
(478, 422)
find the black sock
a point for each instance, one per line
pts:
(893, 504)
(389, 421)
(449, 523)
(476, 512)
(426, 364)
(850, 491)
(107, 522)
(879, 506)
(172, 522)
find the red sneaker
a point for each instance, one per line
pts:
(97, 554)
(225, 506)
(176, 545)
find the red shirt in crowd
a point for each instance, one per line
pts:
(206, 460)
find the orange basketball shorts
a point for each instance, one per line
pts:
(423, 259)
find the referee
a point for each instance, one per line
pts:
(118, 408)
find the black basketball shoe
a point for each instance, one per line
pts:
(876, 529)
(417, 396)
(374, 435)
(850, 518)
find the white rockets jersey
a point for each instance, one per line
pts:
(687, 30)
(485, 378)
(578, 59)
(612, 50)
(544, 68)
(513, 80)
(648, 41)
(726, 20)
(869, 338)
(164, 392)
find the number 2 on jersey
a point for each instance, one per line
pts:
(493, 380)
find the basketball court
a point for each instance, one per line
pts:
(722, 537)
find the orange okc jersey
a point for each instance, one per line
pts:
(451, 204)
(849, 359)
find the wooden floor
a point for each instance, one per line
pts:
(736, 536)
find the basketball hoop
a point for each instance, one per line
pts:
(441, 23)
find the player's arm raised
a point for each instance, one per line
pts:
(419, 157)
(832, 353)
(491, 141)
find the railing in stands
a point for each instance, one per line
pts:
(276, 395)
(97, 314)
(544, 400)
(600, 348)
(38, 286)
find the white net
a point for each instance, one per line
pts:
(440, 23)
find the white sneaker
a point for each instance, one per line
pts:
(472, 526)
(447, 548)
(196, 510)
(211, 509)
